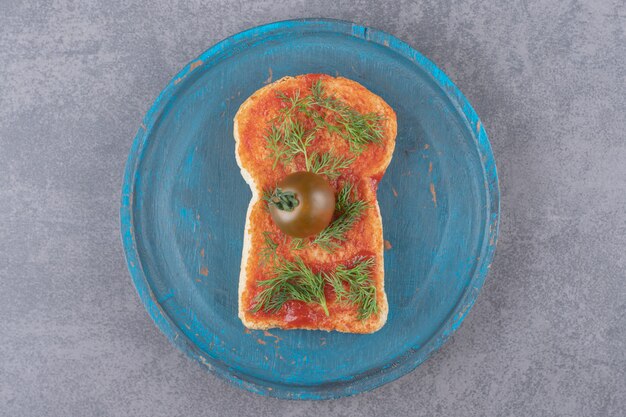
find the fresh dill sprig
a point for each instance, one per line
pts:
(293, 280)
(345, 196)
(294, 103)
(360, 289)
(350, 210)
(274, 142)
(329, 164)
(286, 117)
(287, 137)
(358, 129)
(297, 142)
(272, 298)
(279, 138)
(268, 251)
(298, 243)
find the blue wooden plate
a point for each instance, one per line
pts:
(184, 205)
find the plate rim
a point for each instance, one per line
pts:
(397, 367)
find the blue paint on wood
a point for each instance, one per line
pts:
(184, 204)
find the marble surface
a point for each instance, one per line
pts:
(547, 336)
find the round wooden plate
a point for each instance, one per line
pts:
(184, 204)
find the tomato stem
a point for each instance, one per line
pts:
(283, 200)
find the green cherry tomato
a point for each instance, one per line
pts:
(302, 204)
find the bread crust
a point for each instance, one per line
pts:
(250, 125)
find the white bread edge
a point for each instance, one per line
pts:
(384, 307)
(247, 238)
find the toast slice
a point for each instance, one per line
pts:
(262, 169)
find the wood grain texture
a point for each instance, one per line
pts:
(184, 203)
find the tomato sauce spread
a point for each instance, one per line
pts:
(363, 240)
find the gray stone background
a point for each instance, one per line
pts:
(547, 336)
